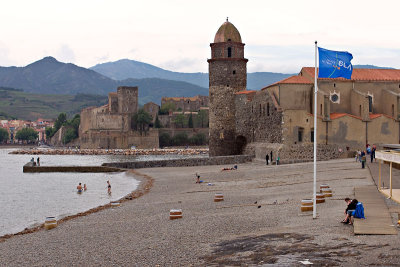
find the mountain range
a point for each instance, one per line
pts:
(49, 76)
(126, 68)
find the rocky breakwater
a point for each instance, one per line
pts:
(136, 152)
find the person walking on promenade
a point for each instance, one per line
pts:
(108, 187)
(270, 156)
(373, 152)
(277, 160)
(363, 159)
(267, 158)
(38, 161)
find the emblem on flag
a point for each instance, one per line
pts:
(334, 64)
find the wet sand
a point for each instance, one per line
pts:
(258, 223)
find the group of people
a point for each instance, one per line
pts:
(80, 188)
(37, 161)
(269, 157)
(353, 210)
(361, 155)
(83, 188)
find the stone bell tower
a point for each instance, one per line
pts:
(228, 75)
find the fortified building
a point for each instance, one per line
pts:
(110, 126)
(279, 118)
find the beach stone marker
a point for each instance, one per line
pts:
(175, 214)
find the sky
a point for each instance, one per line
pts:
(176, 34)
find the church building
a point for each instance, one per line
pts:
(351, 113)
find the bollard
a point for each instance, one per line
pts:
(50, 223)
(218, 197)
(306, 204)
(175, 214)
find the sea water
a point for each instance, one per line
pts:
(26, 199)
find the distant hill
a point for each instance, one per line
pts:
(126, 68)
(49, 76)
(27, 106)
(370, 67)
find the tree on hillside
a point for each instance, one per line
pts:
(141, 121)
(62, 118)
(3, 135)
(69, 135)
(179, 120)
(27, 134)
(202, 117)
(166, 108)
(190, 122)
(157, 123)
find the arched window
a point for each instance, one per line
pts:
(229, 51)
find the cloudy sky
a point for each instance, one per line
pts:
(175, 34)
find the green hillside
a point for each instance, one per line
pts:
(28, 106)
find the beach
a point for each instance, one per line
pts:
(258, 223)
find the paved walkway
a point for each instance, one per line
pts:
(378, 220)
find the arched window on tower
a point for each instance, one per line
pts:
(229, 51)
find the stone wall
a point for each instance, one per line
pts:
(29, 167)
(127, 99)
(297, 153)
(182, 162)
(257, 118)
(117, 139)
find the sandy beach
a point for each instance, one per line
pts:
(258, 223)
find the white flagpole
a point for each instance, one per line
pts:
(315, 134)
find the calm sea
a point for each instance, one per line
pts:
(26, 199)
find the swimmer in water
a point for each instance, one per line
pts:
(79, 187)
(109, 187)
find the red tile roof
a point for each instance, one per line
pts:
(371, 116)
(245, 92)
(339, 115)
(296, 79)
(364, 74)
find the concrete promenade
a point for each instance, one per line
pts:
(258, 223)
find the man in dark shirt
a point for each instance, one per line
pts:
(351, 206)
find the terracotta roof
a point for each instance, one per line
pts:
(364, 74)
(245, 92)
(296, 79)
(227, 32)
(339, 115)
(374, 116)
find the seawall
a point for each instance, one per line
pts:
(222, 160)
(29, 167)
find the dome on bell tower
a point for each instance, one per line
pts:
(227, 33)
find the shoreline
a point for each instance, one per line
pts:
(130, 152)
(145, 184)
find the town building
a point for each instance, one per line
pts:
(186, 103)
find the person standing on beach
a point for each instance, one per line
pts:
(108, 187)
(363, 159)
(267, 158)
(84, 187)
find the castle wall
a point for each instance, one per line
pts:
(257, 119)
(115, 139)
(113, 102)
(127, 99)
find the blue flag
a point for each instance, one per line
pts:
(334, 64)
